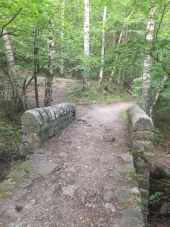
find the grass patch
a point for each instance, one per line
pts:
(131, 203)
(155, 197)
(3, 192)
(14, 178)
(94, 94)
(124, 115)
(23, 168)
(10, 139)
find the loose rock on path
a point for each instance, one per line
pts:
(81, 179)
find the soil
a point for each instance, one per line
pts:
(155, 221)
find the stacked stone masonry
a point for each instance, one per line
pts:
(42, 123)
(141, 135)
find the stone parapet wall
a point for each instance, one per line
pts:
(141, 135)
(42, 123)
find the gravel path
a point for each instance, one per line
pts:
(80, 178)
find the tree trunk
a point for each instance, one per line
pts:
(86, 45)
(62, 36)
(147, 65)
(16, 97)
(103, 45)
(123, 34)
(124, 31)
(50, 71)
(36, 63)
(12, 68)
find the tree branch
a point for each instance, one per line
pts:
(9, 22)
(164, 68)
(27, 83)
(161, 19)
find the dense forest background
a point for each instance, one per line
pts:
(120, 46)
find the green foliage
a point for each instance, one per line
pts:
(4, 131)
(137, 89)
(24, 168)
(155, 197)
(95, 94)
(10, 139)
(124, 115)
(3, 192)
(159, 136)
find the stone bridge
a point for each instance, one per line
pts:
(95, 173)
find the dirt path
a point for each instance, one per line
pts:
(80, 183)
(60, 86)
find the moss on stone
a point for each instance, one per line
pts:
(3, 192)
(19, 175)
(124, 115)
(23, 168)
(132, 178)
(131, 203)
(14, 178)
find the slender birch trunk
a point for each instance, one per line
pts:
(36, 63)
(62, 36)
(86, 44)
(12, 68)
(103, 45)
(50, 71)
(13, 73)
(124, 30)
(147, 64)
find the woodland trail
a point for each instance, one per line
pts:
(79, 180)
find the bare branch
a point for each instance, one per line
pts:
(27, 83)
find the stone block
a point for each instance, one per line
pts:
(143, 135)
(132, 217)
(142, 146)
(139, 119)
(150, 158)
(43, 115)
(51, 132)
(144, 193)
(27, 129)
(143, 183)
(30, 118)
(50, 113)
